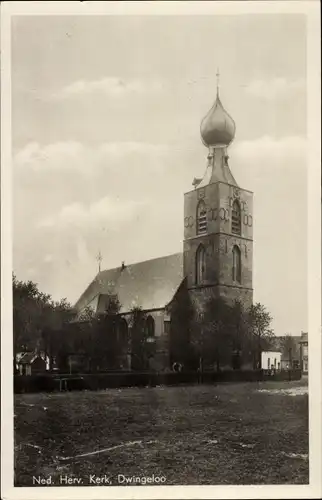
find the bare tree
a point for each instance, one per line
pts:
(290, 348)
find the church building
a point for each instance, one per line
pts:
(217, 254)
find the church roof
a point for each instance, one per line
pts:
(150, 285)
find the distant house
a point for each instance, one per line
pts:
(30, 363)
(19, 355)
(271, 359)
(294, 349)
(304, 352)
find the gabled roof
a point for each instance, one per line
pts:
(28, 358)
(151, 284)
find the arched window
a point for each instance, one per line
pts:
(236, 264)
(149, 327)
(236, 218)
(200, 265)
(201, 217)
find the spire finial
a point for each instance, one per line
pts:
(218, 76)
(99, 259)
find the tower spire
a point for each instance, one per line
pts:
(217, 132)
(99, 259)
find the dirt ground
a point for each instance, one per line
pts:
(246, 433)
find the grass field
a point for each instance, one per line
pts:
(246, 433)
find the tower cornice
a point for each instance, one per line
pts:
(220, 182)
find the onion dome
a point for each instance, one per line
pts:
(217, 128)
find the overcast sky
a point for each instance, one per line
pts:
(106, 115)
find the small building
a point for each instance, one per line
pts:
(271, 359)
(30, 363)
(18, 357)
(294, 350)
(304, 352)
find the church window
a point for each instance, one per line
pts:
(236, 218)
(236, 264)
(149, 326)
(201, 218)
(200, 264)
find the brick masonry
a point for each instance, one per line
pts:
(219, 241)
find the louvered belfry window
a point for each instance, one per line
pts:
(201, 217)
(236, 218)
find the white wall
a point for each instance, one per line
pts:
(270, 358)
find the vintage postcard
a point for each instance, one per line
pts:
(161, 250)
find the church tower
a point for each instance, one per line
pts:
(218, 220)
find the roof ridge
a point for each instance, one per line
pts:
(154, 282)
(139, 262)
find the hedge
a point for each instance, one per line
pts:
(99, 381)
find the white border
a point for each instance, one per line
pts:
(311, 10)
